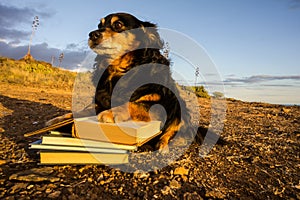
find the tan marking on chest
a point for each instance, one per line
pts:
(120, 66)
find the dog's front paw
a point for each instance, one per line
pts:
(106, 116)
(114, 115)
(163, 146)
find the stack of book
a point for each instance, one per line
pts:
(94, 142)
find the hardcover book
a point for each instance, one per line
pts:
(73, 157)
(93, 142)
(129, 132)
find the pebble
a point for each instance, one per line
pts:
(181, 171)
(30, 187)
(54, 195)
(215, 194)
(192, 196)
(251, 133)
(175, 184)
(35, 175)
(286, 110)
(48, 190)
(17, 187)
(166, 190)
(2, 162)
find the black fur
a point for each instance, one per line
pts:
(152, 57)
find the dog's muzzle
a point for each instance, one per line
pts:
(95, 35)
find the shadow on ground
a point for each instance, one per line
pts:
(20, 117)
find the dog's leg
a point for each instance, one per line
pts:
(168, 134)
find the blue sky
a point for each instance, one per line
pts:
(255, 45)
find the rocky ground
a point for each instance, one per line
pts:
(260, 159)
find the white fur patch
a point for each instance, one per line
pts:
(117, 45)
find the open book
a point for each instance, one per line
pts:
(129, 132)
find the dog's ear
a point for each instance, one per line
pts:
(152, 38)
(148, 24)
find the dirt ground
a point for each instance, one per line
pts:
(260, 159)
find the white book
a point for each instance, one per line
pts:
(70, 141)
(38, 145)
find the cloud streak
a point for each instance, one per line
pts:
(294, 4)
(13, 36)
(72, 58)
(261, 78)
(12, 18)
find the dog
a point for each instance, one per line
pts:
(129, 50)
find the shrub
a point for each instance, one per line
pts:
(218, 95)
(199, 91)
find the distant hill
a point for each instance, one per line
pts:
(35, 73)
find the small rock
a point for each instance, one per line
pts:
(175, 184)
(30, 187)
(48, 190)
(100, 178)
(86, 167)
(24, 192)
(17, 187)
(61, 175)
(181, 171)
(179, 142)
(51, 186)
(73, 197)
(2, 162)
(54, 195)
(102, 182)
(41, 187)
(2, 181)
(192, 196)
(286, 110)
(166, 190)
(141, 175)
(35, 175)
(37, 193)
(120, 189)
(43, 171)
(215, 195)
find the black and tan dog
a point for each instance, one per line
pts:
(130, 49)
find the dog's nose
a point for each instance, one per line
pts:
(94, 35)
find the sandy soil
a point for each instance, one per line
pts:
(260, 159)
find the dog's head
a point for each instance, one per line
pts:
(120, 33)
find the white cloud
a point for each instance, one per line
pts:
(43, 52)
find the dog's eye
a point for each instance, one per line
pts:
(100, 26)
(118, 25)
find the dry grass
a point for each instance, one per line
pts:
(35, 74)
